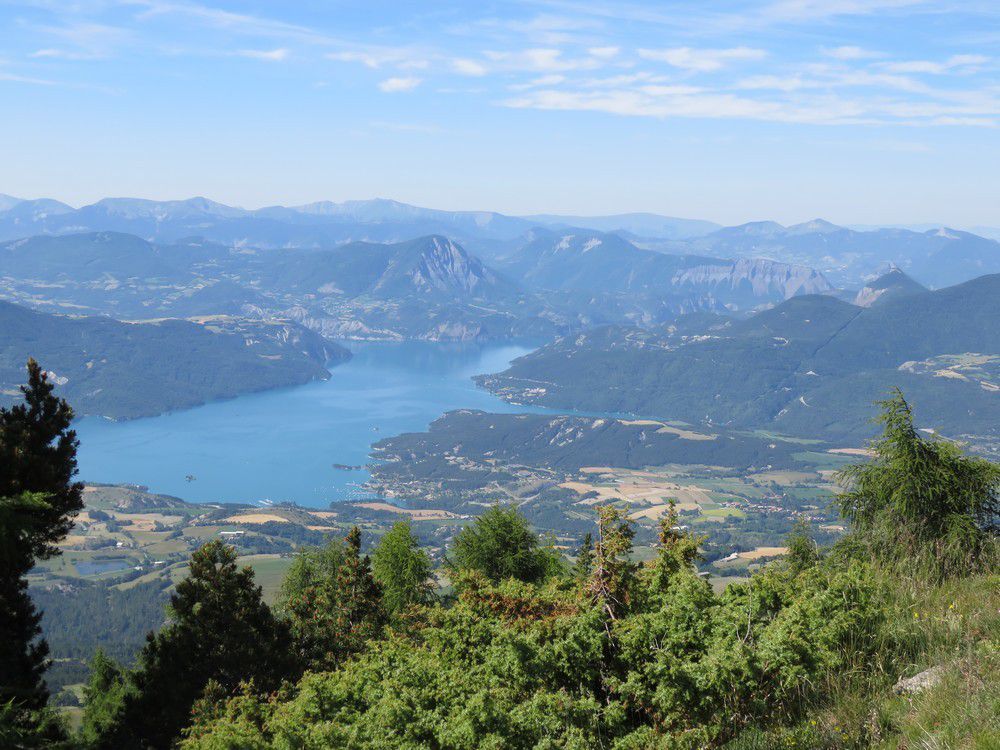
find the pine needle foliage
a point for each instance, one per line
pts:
(402, 569)
(920, 500)
(500, 544)
(38, 499)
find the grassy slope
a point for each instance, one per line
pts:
(955, 626)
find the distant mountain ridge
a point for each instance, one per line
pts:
(634, 224)
(936, 257)
(427, 288)
(310, 225)
(607, 263)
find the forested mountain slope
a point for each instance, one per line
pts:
(124, 370)
(809, 366)
(847, 257)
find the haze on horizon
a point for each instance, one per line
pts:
(861, 113)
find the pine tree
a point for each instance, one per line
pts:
(802, 549)
(104, 697)
(38, 454)
(920, 500)
(37, 501)
(613, 580)
(678, 549)
(310, 567)
(338, 614)
(584, 564)
(500, 544)
(221, 631)
(402, 569)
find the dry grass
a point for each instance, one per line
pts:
(604, 493)
(654, 512)
(761, 552)
(424, 514)
(257, 518)
(72, 540)
(783, 478)
(146, 521)
(637, 487)
(666, 428)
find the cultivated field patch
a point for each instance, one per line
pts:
(253, 518)
(423, 514)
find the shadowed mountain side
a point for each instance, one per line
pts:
(810, 366)
(125, 370)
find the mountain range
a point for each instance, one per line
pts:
(937, 257)
(424, 288)
(754, 327)
(847, 257)
(600, 262)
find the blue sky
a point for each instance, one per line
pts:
(859, 111)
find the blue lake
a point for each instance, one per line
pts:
(281, 445)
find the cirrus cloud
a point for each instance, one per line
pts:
(468, 67)
(955, 62)
(267, 55)
(702, 60)
(399, 84)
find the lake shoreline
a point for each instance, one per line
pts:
(308, 444)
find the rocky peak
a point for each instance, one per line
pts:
(443, 265)
(892, 283)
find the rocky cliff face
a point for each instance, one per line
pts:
(445, 267)
(607, 263)
(765, 279)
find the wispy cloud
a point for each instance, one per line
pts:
(603, 53)
(548, 29)
(81, 41)
(403, 58)
(956, 62)
(549, 80)
(650, 101)
(623, 57)
(702, 60)
(850, 52)
(268, 55)
(818, 10)
(55, 53)
(467, 67)
(798, 99)
(541, 60)
(399, 84)
(15, 78)
(365, 58)
(230, 21)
